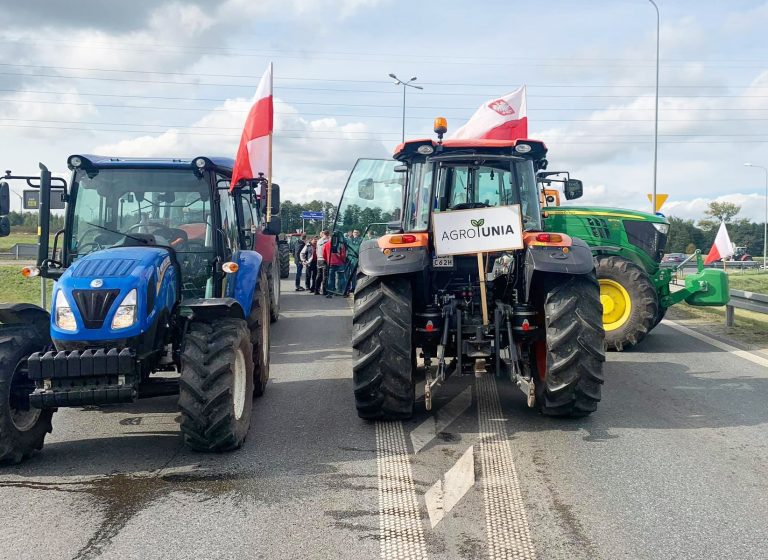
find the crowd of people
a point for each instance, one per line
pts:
(327, 268)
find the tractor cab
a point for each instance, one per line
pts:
(154, 253)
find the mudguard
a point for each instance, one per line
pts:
(211, 308)
(26, 314)
(548, 259)
(373, 261)
(242, 284)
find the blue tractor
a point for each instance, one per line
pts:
(158, 291)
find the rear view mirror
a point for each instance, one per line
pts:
(5, 199)
(573, 189)
(365, 189)
(273, 226)
(5, 226)
(275, 199)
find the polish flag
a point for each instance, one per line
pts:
(254, 155)
(722, 248)
(504, 118)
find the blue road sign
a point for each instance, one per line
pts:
(312, 215)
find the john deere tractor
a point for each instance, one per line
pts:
(161, 289)
(628, 247)
(461, 278)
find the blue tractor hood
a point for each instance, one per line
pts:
(96, 285)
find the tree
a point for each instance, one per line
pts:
(718, 212)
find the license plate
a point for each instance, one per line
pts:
(442, 262)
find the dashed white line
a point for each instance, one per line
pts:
(401, 531)
(440, 420)
(446, 493)
(507, 530)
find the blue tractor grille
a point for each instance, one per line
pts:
(94, 305)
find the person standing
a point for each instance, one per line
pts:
(321, 279)
(297, 249)
(308, 256)
(353, 255)
(336, 261)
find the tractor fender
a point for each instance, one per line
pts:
(548, 259)
(207, 309)
(26, 314)
(373, 261)
(242, 284)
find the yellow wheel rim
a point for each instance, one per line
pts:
(617, 304)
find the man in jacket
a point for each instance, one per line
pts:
(308, 257)
(300, 243)
(321, 279)
(336, 262)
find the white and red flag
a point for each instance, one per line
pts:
(722, 248)
(504, 118)
(254, 155)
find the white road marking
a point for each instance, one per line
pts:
(402, 535)
(445, 494)
(507, 530)
(440, 420)
(759, 360)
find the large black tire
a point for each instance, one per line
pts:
(21, 431)
(273, 281)
(659, 316)
(643, 301)
(575, 352)
(258, 323)
(285, 259)
(382, 368)
(216, 384)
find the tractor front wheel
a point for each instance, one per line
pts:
(570, 361)
(22, 429)
(382, 367)
(630, 302)
(216, 384)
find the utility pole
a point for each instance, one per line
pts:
(765, 224)
(405, 85)
(656, 118)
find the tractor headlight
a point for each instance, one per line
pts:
(125, 316)
(661, 228)
(65, 319)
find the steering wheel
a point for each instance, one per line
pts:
(170, 234)
(469, 205)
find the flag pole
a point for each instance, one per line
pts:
(269, 166)
(483, 296)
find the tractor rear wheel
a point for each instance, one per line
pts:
(285, 259)
(216, 384)
(22, 429)
(382, 367)
(570, 362)
(258, 323)
(630, 302)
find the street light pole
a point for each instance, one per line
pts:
(765, 225)
(656, 118)
(405, 85)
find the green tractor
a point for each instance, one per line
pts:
(628, 247)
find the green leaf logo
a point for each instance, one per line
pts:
(477, 223)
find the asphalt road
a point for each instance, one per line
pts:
(673, 465)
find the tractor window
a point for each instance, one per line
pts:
(529, 195)
(373, 197)
(419, 197)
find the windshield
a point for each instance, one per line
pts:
(372, 198)
(490, 183)
(123, 207)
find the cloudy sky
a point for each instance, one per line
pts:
(175, 78)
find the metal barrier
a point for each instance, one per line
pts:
(750, 301)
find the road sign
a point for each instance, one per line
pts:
(32, 200)
(307, 215)
(660, 200)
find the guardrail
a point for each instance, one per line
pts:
(750, 301)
